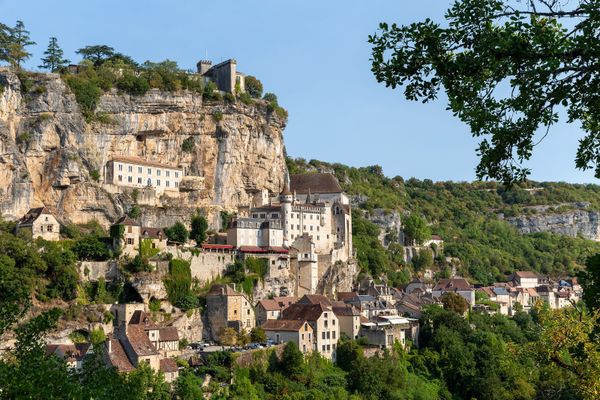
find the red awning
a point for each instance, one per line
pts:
(217, 246)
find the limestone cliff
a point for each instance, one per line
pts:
(50, 156)
(580, 221)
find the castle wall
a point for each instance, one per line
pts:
(207, 266)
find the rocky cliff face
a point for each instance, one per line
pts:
(49, 155)
(582, 222)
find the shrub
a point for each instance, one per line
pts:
(229, 97)
(135, 212)
(270, 98)
(95, 175)
(26, 81)
(217, 116)
(24, 138)
(178, 285)
(188, 145)
(199, 228)
(133, 85)
(246, 98)
(177, 233)
(154, 305)
(87, 93)
(210, 91)
(91, 248)
(254, 87)
(138, 264)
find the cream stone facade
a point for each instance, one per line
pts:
(311, 219)
(283, 331)
(41, 223)
(227, 308)
(138, 173)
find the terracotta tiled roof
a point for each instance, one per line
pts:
(118, 358)
(140, 161)
(344, 309)
(526, 274)
(285, 301)
(140, 317)
(125, 220)
(139, 341)
(168, 365)
(532, 292)
(32, 215)
(436, 237)
(343, 296)
(315, 183)
(314, 299)
(452, 284)
(305, 312)
(168, 334)
(270, 305)
(283, 325)
(153, 233)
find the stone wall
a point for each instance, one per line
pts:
(94, 270)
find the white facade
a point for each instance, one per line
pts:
(137, 173)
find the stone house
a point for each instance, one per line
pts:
(384, 331)
(317, 311)
(271, 308)
(283, 331)
(370, 306)
(349, 319)
(129, 242)
(138, 173)
(73, 354)
(41, 223)
(170, 370)
(164, 338)
(459, 286)
(134, 234)
(227, 308)
(525, 279)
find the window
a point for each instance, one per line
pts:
(129, 179)
(303, 336)
(318, 238)
(333, 322)
(325, 323)
(140, 180)
(167, 184)
(176, 184)
(274, 215)
(129, 229)
(140, 170)
(176, 174)
(149, 182)
(158, 182)
(158, 172)
(130, 168)
(42, 228)
(323, 347)
(168, 173)
(234, 312)
(328, 347)
(120, 178)
(120, 167)
(328, 335)
(49, 228)
(130, 241)
(323, 335)
(333, 334)
(149, 171)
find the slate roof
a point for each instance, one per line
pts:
(168, 365)
(32, 215)
(314, 183)
(283, 325)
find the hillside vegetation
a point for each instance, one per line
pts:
(466, 216)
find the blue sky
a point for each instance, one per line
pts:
(314, 55)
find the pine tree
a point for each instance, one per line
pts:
(5, 34)
(19, 41)
(53, 59)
